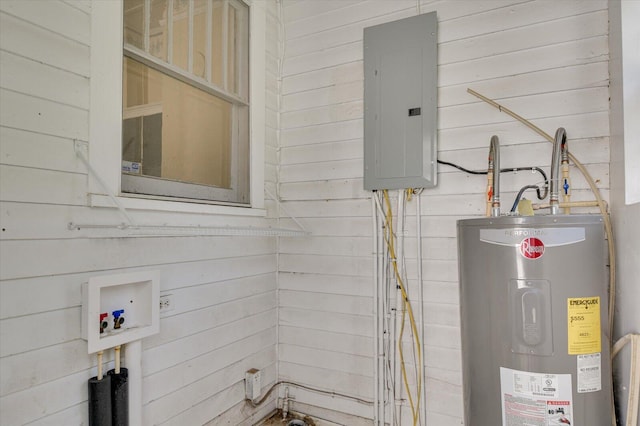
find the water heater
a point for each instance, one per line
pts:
(533, 301)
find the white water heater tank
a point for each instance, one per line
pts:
(533, 303)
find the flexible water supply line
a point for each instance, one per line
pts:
(566, 180)
(489, 191)
(558, 145)
(494, 165)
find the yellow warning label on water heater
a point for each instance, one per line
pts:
(583, 320)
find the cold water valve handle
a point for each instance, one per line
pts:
(118, 319)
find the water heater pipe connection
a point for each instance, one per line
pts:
(559, 144)
(494, 165)
(566, 180)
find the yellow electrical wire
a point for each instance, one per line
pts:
(406, 309)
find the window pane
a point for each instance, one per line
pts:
(134, 23)
(159, 29)
(200, 38)
(180, 138)
(231, 50)
(181, 34)
(217, 59)
(191, 141)
(242, 46)
(237, 48)
(132, 140)
(134, 84)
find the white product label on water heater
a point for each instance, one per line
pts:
(589, 373)
(535, 399)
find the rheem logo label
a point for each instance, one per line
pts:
(532, 248)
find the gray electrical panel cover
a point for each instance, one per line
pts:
(400, 117)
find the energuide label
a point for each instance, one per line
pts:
(535, 399)
(583, 322)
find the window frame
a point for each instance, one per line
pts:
(105, 127)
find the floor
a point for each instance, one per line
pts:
(277, 420)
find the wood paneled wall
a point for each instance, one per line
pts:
(224, 288)
(545, 60)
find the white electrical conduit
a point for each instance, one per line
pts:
(389, 378)
(376, 335)
(387, 333)
(634, 375)
(418, 347)
(398, 312)
(423, 370)
(601, 205)
(405, 278)
(382, 320)
(374, 238)
(403, 308)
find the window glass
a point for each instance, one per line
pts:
(134, 23)
(180, 49)
(185, 99)
(158, 29)
(188, 141)
(200, 38)
(237, 48)
(217, 39)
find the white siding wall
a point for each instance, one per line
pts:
(546, 60)
(224, 288)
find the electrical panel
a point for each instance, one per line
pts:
(400, 118)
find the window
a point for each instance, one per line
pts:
(185, 100)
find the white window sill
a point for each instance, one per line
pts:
(136, 203)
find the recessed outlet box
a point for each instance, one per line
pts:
(118, 309)
(252, 379)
